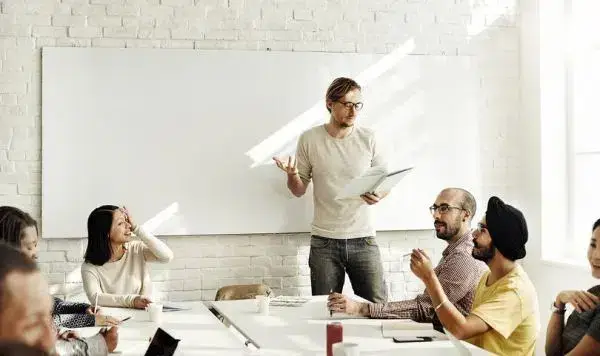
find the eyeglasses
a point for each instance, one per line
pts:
(442, 209)
(481, 227)
(349, 105)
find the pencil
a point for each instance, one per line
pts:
(330, 311)
(96, 305)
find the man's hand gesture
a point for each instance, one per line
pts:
(291, 168)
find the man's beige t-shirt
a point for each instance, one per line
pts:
(331, 163)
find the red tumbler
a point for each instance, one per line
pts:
(335, 334)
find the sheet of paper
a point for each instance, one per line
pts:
(118, 314)
(87, 331)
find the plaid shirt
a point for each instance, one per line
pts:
(458, 273)
(71, 315)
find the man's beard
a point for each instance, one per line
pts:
(343, 124)
(449, 231)
(484, 254)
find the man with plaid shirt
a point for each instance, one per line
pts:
(457, 271)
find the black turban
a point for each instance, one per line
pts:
(507, 227)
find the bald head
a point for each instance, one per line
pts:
(452, 213)
(463, 198)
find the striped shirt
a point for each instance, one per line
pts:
(458, 273)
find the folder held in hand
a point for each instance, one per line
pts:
(374, 180)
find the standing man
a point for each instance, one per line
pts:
(331, 155)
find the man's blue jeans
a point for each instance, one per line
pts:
(359, 257)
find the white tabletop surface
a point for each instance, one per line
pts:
(303, 330)
(294, 331)
(200, 332)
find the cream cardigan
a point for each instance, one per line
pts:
(118, 283)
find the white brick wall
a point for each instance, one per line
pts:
(483, 29)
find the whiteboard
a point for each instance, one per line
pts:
(184, 138)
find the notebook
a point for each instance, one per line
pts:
(408, 328)
(374, 180)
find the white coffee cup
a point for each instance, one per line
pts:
(155, 311)
(262, 302)
(345, 349)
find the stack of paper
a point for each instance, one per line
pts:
(288, 301)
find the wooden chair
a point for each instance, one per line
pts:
(242, 291)
(239, 292)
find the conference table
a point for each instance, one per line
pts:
(302, 330)
(294, 331)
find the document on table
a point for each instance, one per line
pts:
(174, 308)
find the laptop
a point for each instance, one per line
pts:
(162, 344)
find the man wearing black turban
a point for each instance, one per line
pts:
(507, 228)
(504, 318)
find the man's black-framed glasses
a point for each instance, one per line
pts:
(443, 208)
(349, 105)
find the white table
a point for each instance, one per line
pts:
(302, 330)
(200, 332)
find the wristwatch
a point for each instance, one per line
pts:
(556, 309)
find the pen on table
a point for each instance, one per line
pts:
(330, 310)
(96, 305)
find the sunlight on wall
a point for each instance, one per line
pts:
(167, 220)
(282, 142)
(484, 15)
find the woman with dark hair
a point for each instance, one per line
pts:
(19, 229)
(115, 272)
(581, 334)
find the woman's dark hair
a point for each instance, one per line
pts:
(98, 250)
(596, 225)
(12, 223)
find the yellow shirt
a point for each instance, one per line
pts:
(510, 308)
